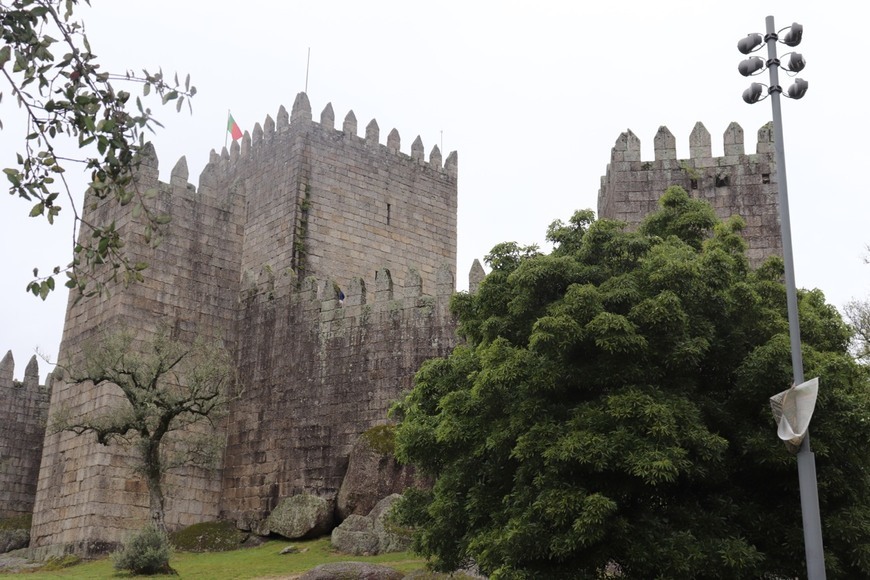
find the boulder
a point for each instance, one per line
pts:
(352, 571)
(13, 539)
(299, 516)
(372, 534)
(372, 473)
(356, 535)
(390, 537)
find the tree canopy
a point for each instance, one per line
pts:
(608, 412)
(70, 104)
(167, 385)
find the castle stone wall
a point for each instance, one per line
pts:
(23, 413)
(88, 494)
(734, 184)
(331, 204)
(320, 372)
(294, 199)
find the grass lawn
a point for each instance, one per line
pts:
(260, 562)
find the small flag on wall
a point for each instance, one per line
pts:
(233, 128)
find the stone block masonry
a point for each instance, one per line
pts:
(23, 413)
(295, 199)
(322, 370)
(734, 184)
(331, 204)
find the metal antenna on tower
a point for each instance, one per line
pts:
(307, 63)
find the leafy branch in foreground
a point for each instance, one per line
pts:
(69, 103)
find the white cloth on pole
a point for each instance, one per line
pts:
(793, 409)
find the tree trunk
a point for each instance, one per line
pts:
(153, 475)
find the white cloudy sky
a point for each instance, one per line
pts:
(531, 94)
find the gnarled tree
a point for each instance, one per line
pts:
(167, 386)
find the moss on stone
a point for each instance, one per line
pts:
(208, 537)
(60, 562)
(381, 438)
(16, 522)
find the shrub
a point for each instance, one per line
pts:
(147, 552)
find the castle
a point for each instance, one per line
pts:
(325, 263)
(23, 414)
(734, 184)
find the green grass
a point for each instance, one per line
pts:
(260, 562)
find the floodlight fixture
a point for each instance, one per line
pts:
(753, 94)
(796, 62)
(798, 89)
(750, 66)
(806, 463)
(751, 43)
(794, 35)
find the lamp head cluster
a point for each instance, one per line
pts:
(755, 65)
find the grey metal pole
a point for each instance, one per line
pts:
(806, 461)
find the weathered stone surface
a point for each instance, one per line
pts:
(299, 516)
(372, 534)
(298, 199)
(13, 539)
(356, 535)
(734, 184)
(352, 571)
(371, 475)
(12, 564)
(23, 416)
(458, 575)
(390, 539)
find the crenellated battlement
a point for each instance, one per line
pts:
(267, 285)
(263, 137)
(23, 415)
(628, 146)
(350, 350)
(735, 183)
(273, 253)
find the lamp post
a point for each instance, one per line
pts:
(755, 65)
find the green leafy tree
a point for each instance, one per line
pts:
(167, 386)
(858, 313)
(608, 413)
(50, 70)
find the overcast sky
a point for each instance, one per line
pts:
(532, 95)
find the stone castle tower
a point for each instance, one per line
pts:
(258, 256)
(325, 263)
(735, 184)
(23, 413)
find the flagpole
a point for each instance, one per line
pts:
(227, 130)
(307, 63)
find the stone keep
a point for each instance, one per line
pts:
(258, 256)
(734, 184)
(23, 411)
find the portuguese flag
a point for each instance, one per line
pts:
(233, 127)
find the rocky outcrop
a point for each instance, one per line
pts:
(352, 571)
(372, 473)
(372, 534)
(13, 539)
(299, 516)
